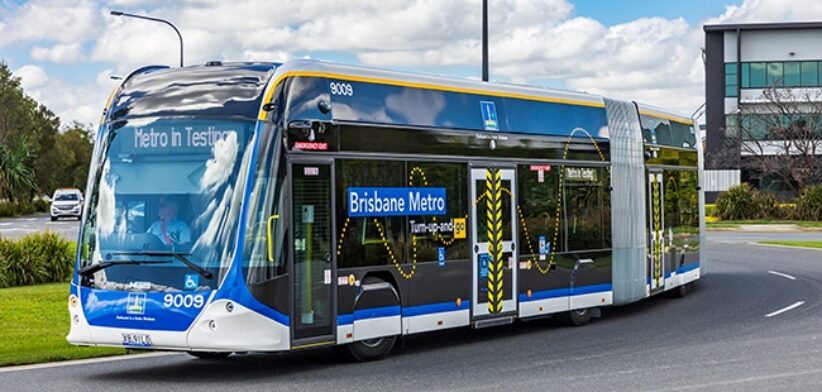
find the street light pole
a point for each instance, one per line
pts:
(180, 36)
(484, 40)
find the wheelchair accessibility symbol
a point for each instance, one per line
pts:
(191, 281)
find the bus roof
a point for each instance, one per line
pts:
(230, 89)
(236, 89)
(318, 68)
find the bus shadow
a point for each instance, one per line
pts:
(411, 349)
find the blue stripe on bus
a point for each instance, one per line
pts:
(410, 311)
(441, 307)
(680, 270)
(363, 314)
(566, 292)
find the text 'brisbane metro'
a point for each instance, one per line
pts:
(395, 201)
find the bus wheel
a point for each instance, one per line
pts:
(681, 291)
(578, 317)
(367, 350)
(209, 354)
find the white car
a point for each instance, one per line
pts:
(66, 202)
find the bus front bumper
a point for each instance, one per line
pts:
(223, 325)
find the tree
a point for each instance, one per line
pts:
(74, 146)
(778, 135)
(16, 177)
(32, 145)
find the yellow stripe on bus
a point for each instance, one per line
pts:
(426, 86)
(666, 116)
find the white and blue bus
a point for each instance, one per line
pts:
(268, 207)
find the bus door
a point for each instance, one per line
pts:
(656, 231)
(313, 311)
(493, 242)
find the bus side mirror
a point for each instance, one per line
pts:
(269, 238)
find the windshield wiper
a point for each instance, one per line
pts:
(179, 256)
(92, 268)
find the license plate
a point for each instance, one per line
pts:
(137, 339)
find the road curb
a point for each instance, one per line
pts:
(76, 362)
(783, 246)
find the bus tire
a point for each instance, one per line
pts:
(367, 350)
(209, 354)
(681, 291)
(578, 317)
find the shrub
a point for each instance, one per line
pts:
(41, 205)
(8, 209)
(736, 203)
(35, 259)
(766, 206)
(710, 209)
(809, 204)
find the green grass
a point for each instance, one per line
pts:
(34, 323)
(736, 223)
(801, 244)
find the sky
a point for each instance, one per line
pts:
(66, 52)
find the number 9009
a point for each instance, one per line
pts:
(183, 301)
(341, 88)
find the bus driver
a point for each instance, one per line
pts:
(168, 228)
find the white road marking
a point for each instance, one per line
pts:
(785, 309)
(782, 275)
(6, 224)
(84, 361)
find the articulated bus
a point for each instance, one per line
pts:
(270, 207)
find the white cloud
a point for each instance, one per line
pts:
(31, 76)
(653, 60)
(60, 53)
(770, 11)
(62, 21)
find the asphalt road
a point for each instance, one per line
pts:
(20, 226)
(717, 338)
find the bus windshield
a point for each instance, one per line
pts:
(163, 204)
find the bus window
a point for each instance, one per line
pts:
(430, 233)
(374, 239)
(265, 239)
(584, 208)
(683, 135)
(656, 130)
(538, 197)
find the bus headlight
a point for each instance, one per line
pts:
(73, 301)
(229, 306)
(212, 325)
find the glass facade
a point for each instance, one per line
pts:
(731, 86)
(770, 126)
(773, 74)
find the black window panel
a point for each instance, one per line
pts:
(539, 201)
(263, 261)
(467, 143)
(584, 210)
(369, 241)
(656, 130)
(425, 243)
(682, 135)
